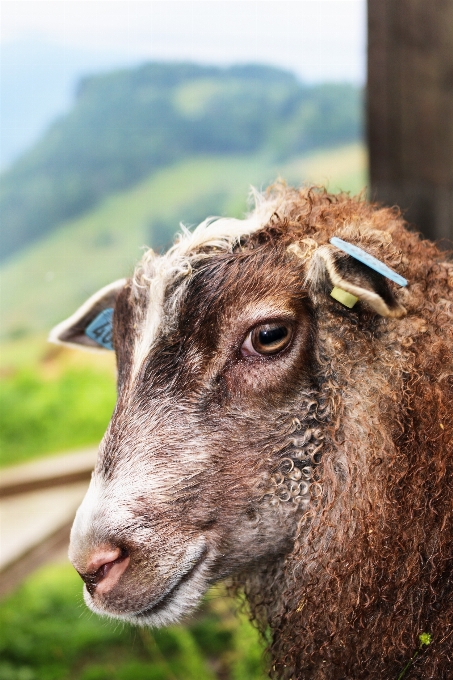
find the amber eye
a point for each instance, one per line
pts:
(269, 338)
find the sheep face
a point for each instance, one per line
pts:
(264, 430)
(188, 480)
(221, 414)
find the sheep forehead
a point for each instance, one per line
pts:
(155, 273)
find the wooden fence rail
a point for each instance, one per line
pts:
(38, 502)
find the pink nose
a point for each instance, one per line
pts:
(104, 569)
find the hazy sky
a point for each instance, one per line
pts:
(317, 39)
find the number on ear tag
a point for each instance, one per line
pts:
(100, 329)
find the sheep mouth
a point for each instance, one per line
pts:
(161, 603)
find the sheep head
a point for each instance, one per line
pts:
(256, 416)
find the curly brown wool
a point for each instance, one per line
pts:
(372, 563)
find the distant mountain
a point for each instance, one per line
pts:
(38, 81)
(127, 124)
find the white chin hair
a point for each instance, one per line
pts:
(184, 600)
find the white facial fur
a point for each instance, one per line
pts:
(157, 272)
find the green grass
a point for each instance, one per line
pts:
(40, 415)
(46, 633)
(342, 169)
(52, 399)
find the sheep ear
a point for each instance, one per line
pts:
(347, 280)
(91, 325)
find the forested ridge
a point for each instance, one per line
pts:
(126, 124)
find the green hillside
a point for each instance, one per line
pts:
(46, 282)
(129, 124)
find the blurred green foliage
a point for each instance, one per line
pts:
(40, 414)
(46, 633)
(52, 399)
(127, 124)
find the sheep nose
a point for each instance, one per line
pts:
(104, 569)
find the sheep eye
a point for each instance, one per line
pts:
(267, 339)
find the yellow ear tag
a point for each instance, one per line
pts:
(344, 297)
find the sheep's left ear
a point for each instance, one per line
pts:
(348, 280)
(91, 325)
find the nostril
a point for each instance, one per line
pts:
(103, 556)
(105, 569)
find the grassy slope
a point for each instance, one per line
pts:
(47, 633)
(45, 283)
(52, 278)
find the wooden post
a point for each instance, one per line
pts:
(410, 110)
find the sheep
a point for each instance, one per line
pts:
(266, 432)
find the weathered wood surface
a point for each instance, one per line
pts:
(52, 547)
(410, 110)
(47, 472)
(37, 507)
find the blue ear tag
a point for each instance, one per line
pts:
(369, 260)
(100, 329)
